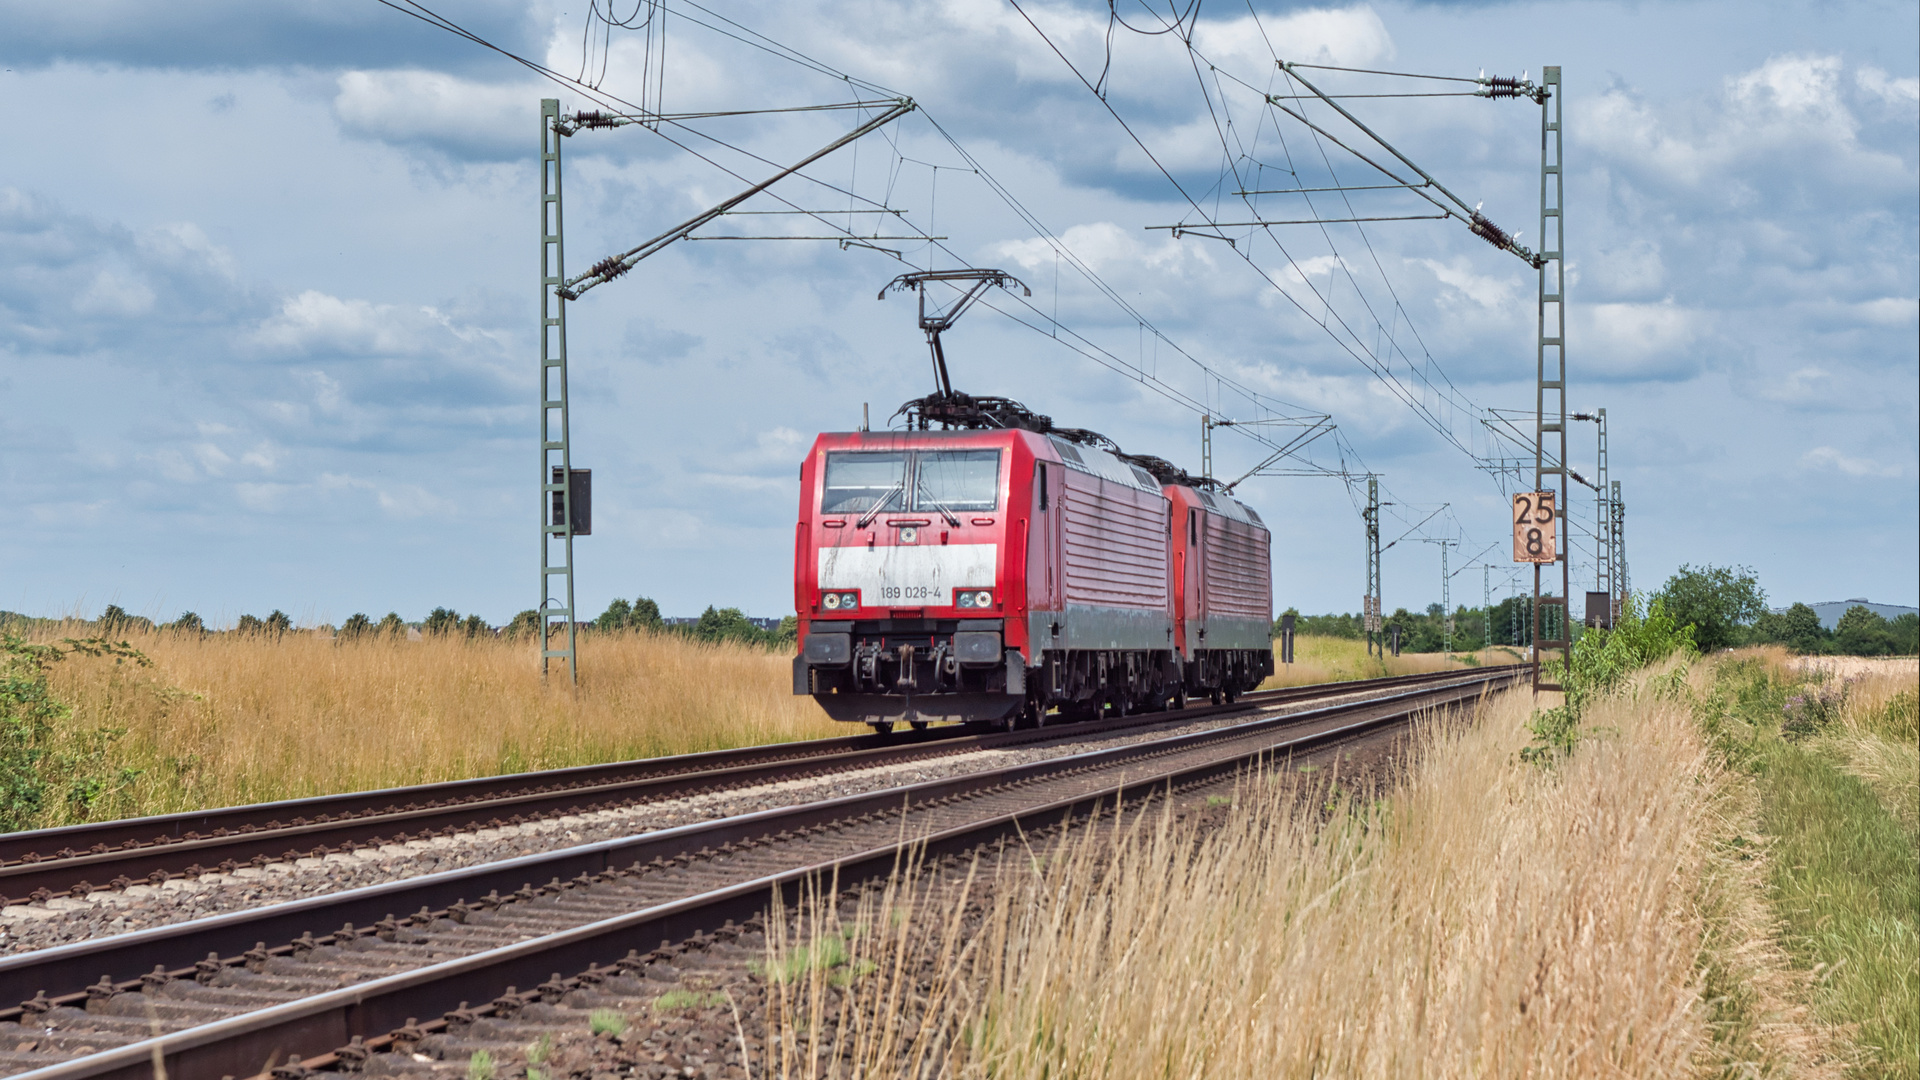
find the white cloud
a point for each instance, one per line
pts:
(213, 459)
(1800, 384)
(314, 320)
(1109, 249)
(1155, 272)
(1788, 111)
(183, 242)
(431, 107)
(261, 496)
(1634, 268)
(1636, 340)
(782, 444)
(1795, 85)
(1352, 36)
(1826, 457)
(264, 456)
(1888, 310)
(114, 293)
(412, 501)
(1492, 293)
(739, 482)
(1890, 90)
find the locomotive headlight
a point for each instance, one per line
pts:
(964, 599)
(972, 599)
(983, 598)
(849, 600)
(830, 601)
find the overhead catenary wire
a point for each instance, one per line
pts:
(1351, 343)
(1350, 462)
(738, 32)
(1395, 74)
(1435, 377)
(1044, 322)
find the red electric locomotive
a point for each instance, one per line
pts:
(1004, 570)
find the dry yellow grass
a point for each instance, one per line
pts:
(1487, 918)
(226, 718)
(229, 719)
(1879, 736)
(1330, 659)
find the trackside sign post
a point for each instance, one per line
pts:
(1535, 527)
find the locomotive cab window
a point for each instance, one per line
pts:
(899, 481)
(860, 481)
(957, 480)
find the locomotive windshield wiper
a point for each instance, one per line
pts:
(921, 489)
(880, 504)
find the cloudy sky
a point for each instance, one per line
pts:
(268, 284)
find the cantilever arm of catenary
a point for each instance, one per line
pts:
(1297, 443)
(1483, 228)
(614, 265)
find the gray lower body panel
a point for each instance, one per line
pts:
(1228, 633)
(1091, 628)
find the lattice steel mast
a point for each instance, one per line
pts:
(556, 455)
(1550, 383)
(559, 524)
(1618, 536)
(1603, 547)
(1370, 609)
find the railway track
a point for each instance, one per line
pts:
(341, 976)
(80, 859)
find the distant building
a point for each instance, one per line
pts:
(1831, 611)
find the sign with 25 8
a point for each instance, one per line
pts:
(1535, 527)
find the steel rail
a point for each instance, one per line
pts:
(365, 1016)
(155, 848)
(64, 972)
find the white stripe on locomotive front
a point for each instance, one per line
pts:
(909, 575)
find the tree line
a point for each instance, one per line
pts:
(713, 625)
(1718, 607)
(622, 616)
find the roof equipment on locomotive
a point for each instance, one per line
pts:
(1001, 569)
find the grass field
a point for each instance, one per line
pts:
(1831, 752)
(227, 718)
(1487, 917)
(1331, 659)
(1719, 880)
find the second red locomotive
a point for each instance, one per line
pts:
(1006, 571)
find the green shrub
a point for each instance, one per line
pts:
(1714, 603)
(39, 764)
(1603, 661)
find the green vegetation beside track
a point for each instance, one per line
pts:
(1833, 760)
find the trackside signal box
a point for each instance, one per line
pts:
(1600, 610)
(580, 489)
